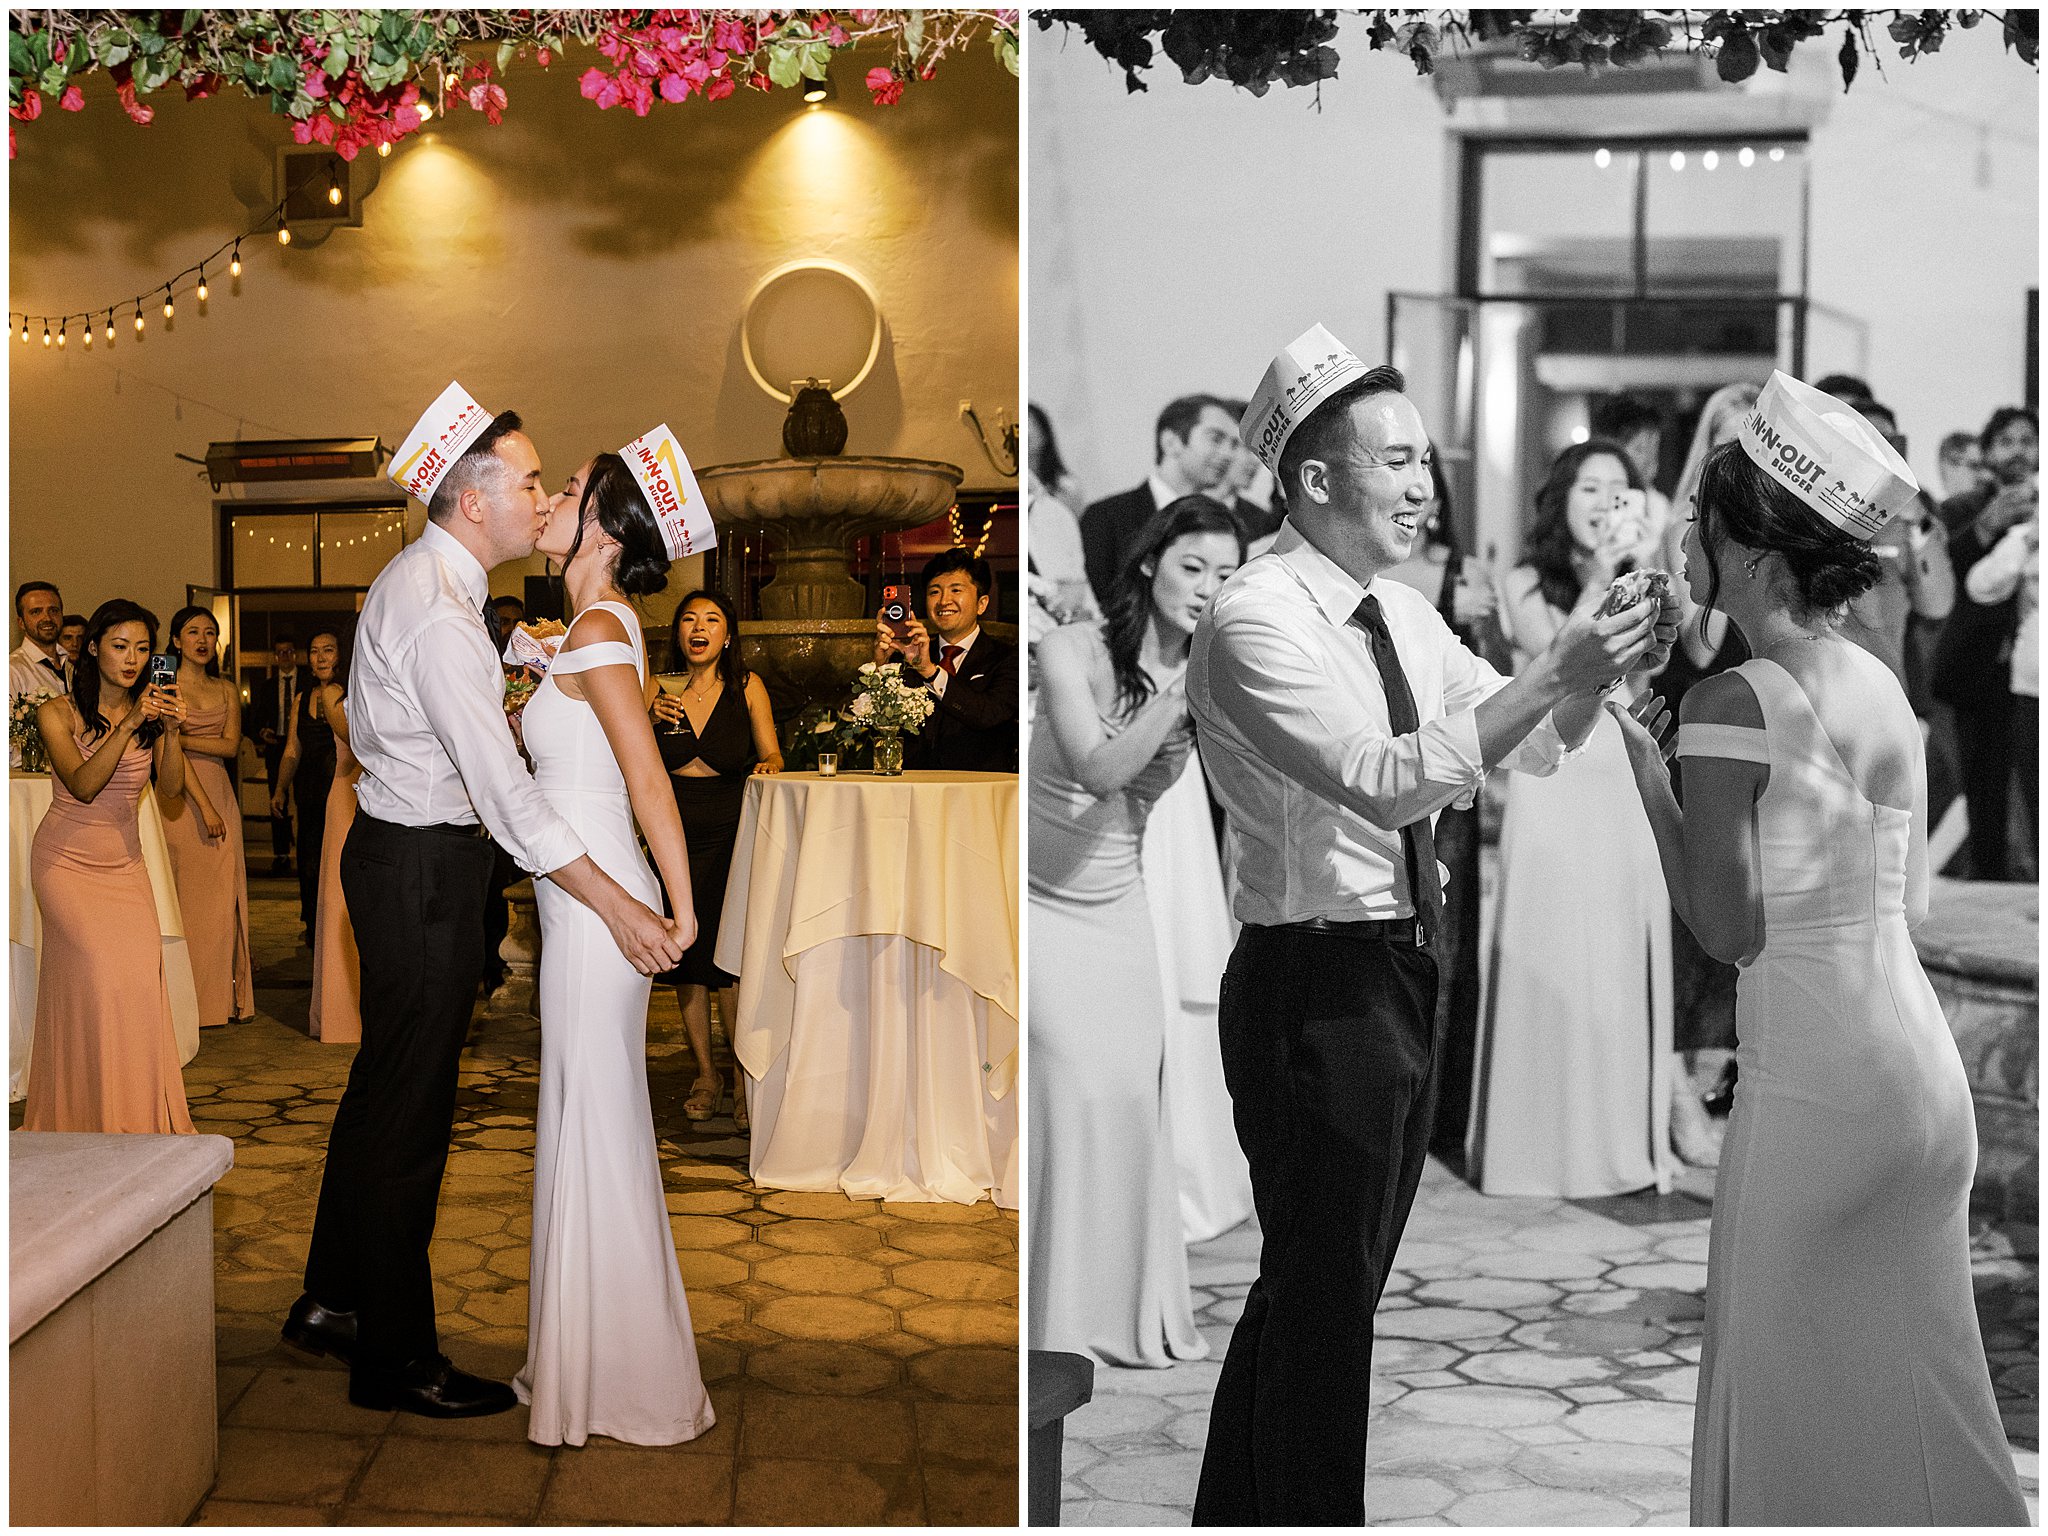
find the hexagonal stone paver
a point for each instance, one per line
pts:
(1395, 1357)
(1634, 1422)
(816, 1236)
(1538, 1264)
(824, 1317)
(1670, 1276)
(963, 1322)
(707, 1202)
(1165, 1477)
(703, 1270)
(943, 1212)
(1541, 1506)
(818, 1203)
(1117, 1413)
(708, 1231)
(1393, 1497)
(956, 1279)
(813, 1274)
(823, 1369)
(1440, 1323)
(1674, 1384)
(973, 1243)
(1502, 1294)
(1604, 1467)
(1594, 1235)
(1483, 1407)
(1513, 1368)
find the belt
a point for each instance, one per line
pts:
(1387, 930)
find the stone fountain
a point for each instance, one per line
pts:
(816, 628)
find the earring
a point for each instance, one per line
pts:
(1753, 563)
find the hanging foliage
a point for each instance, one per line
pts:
(1256, 50)
(354, 80)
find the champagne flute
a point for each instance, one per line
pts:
(673, 684)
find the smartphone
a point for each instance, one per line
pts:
(896, 609)
(1629, 507)
(163, 671)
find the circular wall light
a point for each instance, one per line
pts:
(811, 318)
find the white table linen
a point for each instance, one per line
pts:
(873, 923)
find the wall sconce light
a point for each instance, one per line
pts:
(818, 92)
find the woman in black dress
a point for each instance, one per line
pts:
(309, 762)
(713, 734)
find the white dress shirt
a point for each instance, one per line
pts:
(2013, 566)
(938, 680)
(1293, 728)
(426, 709)
(26, 672)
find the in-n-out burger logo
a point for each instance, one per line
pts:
(432, 458)
(1784, 458)
(663, 473)
(658, 478)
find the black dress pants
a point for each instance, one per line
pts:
(1330, 1050)
(417, 898)
(1984, 738)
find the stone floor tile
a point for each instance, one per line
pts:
(1541, 1506)
(824, 1368)
(288, 1467)
(1153, 1477)
(971, 1496)
(1484, 1407)
(776, 1492)
(1505, 1295)
(1113, 1512)
(444, 1476)
(980, 1435)
(968, 1374)
(288, 1398)
(1540, 1434)
(1393, 1497)
(225, 1512)
(1517, 1368)
(781, 1425)
(640, 1486)
(1483, 1480)
(1394, 1357)
(955, 1322)
(1635, 1422)
(844, 1318)
(1440, 1323)
(1430, 1379)
(1400, 1443)
(1593, 1394)
(1604, 1466)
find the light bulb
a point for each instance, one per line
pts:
(46, 333)
(1602, 158)
(426, 113)
(333, 195)
(110, 327)
(284, 234)
(202, 285)
(138, 317)
(170, 308)
(1710, 159)
(1777, 153)
(1747, 158)
(24, 330)
(235, 262)
(88, 333)
(1678, 159)
(62, 327)
(384, 150)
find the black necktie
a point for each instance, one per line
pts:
(56, 667)
(1418, 841)
(491, 625)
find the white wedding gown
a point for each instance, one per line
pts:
(609, 1346)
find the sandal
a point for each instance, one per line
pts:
(702, 1103)
(740, 1121)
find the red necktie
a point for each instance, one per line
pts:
(950, 660)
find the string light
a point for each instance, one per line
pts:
(138, 317)
(384, 150)
(46, 333)
(333, 189)
(1710, 159)
(426, 113)
(1747, 158)
(170, 308)
(1602, 158)
(1678, 159)
(235, 262)
(202, 284)
(62, 326)
(88, 333)
(284, 233)
(24, 330)
(1777, 153)
(110, 327)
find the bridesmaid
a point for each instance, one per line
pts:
(204, 830)
(309, 759)
(335, 1014)
(1109, 1271)
(105, 1057)
(712, 738)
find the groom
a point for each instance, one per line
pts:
(1336, 715)
(440, 772)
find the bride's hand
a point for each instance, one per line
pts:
(1647, 730)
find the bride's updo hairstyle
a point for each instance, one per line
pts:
(623, 513)
(1736, 500)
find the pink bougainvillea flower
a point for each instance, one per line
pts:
(302, 132)
(721, 86)
(593, 83)
(883, 85)
(545, 57)
(490, 100)
(31, 106)
(866, 18)
(73, 99)
(406, 119)
(126, 91)
(674, 88)
(316, 85)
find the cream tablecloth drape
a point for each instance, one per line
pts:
(28, 797)
(873, 925)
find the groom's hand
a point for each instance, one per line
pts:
(1669, 617)
(648, 940)
(1590, 651)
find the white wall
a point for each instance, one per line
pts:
(585, 268)
(1179, 237)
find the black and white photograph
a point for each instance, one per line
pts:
(1532, 601)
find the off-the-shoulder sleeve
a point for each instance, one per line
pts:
(1745, 743)
(598, 653)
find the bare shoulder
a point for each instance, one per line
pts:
(1726, 698)
(594, 627)
(757, 691)
(1073, 645)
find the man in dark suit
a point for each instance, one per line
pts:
(974, 674)
(272, 698)
(1195, 447)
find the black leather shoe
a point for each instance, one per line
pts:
(1720, 1099)
(431, 1387)
(320, 1330)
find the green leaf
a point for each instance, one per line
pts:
(1738, 58)
(336, 63)
(1848, 58)
(51, 82)
(390, 24)
(783, 67)
(913, 34)
(282, 75)
(815, 59)
(506, 53)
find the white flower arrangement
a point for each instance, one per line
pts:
(884, 704)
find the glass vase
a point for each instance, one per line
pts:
(35, 756)
(889, 753)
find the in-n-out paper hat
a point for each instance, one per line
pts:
(1314, 367)
(1828, 456)
(437, 440)
(663, 470)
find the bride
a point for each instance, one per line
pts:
(609, 1345)
(1842, 1380)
